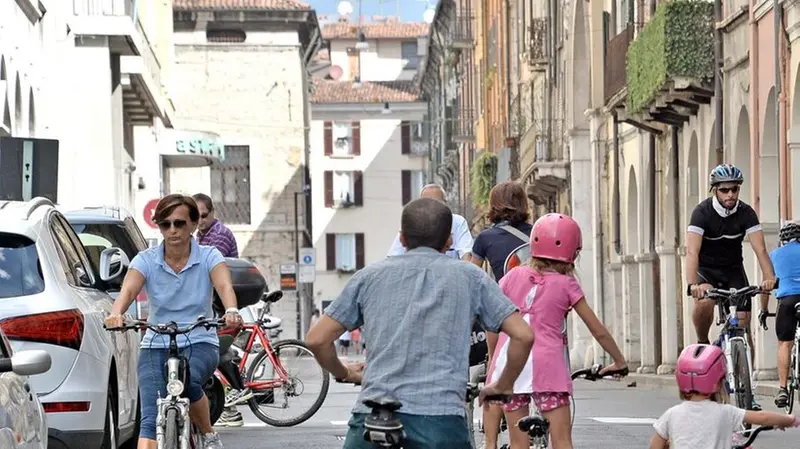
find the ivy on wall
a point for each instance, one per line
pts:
(482, 177)
(677, 42)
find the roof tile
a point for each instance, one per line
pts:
(238, 5)
(386, 30)
(328, 92)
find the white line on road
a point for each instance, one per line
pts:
(338, 423)
(613, 420)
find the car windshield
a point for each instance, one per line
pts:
(97, 237)
(20, 272)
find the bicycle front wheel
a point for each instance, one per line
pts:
(741, 376)
(172, 435)
(300, 393)
(791, 385)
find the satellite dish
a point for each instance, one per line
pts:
(344, 8)
(428, 15)
(335, 72)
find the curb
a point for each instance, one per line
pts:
(659, 382)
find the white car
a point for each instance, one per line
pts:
(23, 424)
(51, 298)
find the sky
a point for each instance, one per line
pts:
(410, 10)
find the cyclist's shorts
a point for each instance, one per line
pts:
(733, 277)
(785, 319)
(545, 402)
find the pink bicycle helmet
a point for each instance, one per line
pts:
(700, 368)
(556, 237)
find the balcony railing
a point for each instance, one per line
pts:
(538, 53)
(102, 7)
(464, 126)
(521, 112)
(615, 64)
(463, 36)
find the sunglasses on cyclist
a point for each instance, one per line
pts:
(205, 215)
(734, 189)
(166, 224)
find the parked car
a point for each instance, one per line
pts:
(23, 424)
(57, 301)
(100, 228)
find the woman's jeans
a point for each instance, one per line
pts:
(422, 432)
(203, 360)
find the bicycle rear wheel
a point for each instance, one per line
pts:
(267, 402)
(741, 377)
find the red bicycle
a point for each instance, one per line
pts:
(274, 385)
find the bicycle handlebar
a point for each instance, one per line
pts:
(744, 292)
(753, 436)
(170, 328)
(592, 374)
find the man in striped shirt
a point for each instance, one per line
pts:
(211, 232)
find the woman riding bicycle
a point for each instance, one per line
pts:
(178, 276)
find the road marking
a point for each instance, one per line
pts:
(619, 420)
(254, 424)
(339, 423)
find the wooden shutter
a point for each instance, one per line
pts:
(405, 137)
(358, 188)
(359, 251)
(328, 131)
(356, 138)
(330, 252)
(328, 189)
(405, 176)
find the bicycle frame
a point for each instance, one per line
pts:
(257, 331)
(732, 332)
(176, 370)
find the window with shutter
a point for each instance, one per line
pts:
(356, 130)
(343, 139)
(330, 252)
(341, 252)
(405, 137)
(405, 191)
(328, 189)
(328, 136)
(358, 188)
(359, 241)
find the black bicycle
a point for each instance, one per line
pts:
(382, 427)
(752, 438)
(174, 428)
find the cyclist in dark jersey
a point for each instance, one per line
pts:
(714, 239)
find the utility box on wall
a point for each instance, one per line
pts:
(28, 168)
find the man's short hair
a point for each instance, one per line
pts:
(205, 199)
(434, 186)
(426, 222)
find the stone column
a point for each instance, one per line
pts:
(765, 343)
(581, 185)
(647, 313)
(630, 311)
(794, 171)
(615, 320)
(671, 312)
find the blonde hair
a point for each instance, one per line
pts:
(542, 265)
(721, 396)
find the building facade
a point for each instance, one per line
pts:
(369, 144)
(106, 57)
(242, 89)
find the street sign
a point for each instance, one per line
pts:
(308, 266)
(147, 214)
(289, 277)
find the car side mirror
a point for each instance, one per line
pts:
(27, 363)
(112, 262)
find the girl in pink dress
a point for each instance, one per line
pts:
(545, 291)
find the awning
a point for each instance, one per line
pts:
(191, 148)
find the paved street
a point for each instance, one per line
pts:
(609, 415)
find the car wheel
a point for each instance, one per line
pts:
(133, 442)
(110, 427)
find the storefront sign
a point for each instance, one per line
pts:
(196, 143)
(288, 277)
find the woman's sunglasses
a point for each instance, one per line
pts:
(166, 224)
(734, 189)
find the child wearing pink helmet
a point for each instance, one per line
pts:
(703, 420)
(544, 291)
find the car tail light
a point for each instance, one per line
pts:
(64, 328)
(61, 407)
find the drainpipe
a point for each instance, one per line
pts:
(786, 56)
(755, 123)
(654, 175)
(509, 93)
(776, 15)
(719, 110)
(676, 203)
(616, 198)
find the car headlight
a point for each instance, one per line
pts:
(175, 387)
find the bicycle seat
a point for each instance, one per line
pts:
(272, 322)
(535, 425)
(271, 297)
(387, 404)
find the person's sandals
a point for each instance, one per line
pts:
(782, 398)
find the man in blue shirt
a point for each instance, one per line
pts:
(786, 260)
